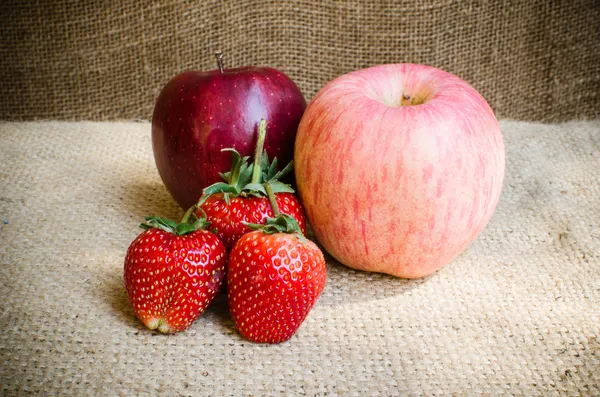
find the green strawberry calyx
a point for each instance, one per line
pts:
(189, 223)
(245, 179)
(281, 223)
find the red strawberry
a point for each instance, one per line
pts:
(230, 220)
(172, 272)
(242, 197)
(275, 277)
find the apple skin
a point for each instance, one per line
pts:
(398, 189)
(199, 113)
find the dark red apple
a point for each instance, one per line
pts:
(199, 113)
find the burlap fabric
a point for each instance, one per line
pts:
(532, 60)
(517, 314)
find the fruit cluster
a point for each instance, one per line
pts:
(399, 168)
(246, 233)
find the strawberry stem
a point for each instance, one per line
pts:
(235, 173)
(272, 199)
(260, 142)
(188, 214)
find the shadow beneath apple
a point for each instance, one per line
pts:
(345, 285)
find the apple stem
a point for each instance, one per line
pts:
(405, 100)
(219, 55)
(260, 142)
(272, 200)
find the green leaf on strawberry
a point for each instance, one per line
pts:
(189, 223)
(283, 223)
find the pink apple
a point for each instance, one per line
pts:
(399, 168)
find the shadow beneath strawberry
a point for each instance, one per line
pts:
(113, 290)
(345, 285)
(217, 313)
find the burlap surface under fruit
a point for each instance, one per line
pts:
(518, 313)
(105, 60)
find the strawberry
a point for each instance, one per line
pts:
(229, 219)
(275, 276)
(173, 271)
(242, 198)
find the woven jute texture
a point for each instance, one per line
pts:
(534, 60)
(518, 313)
